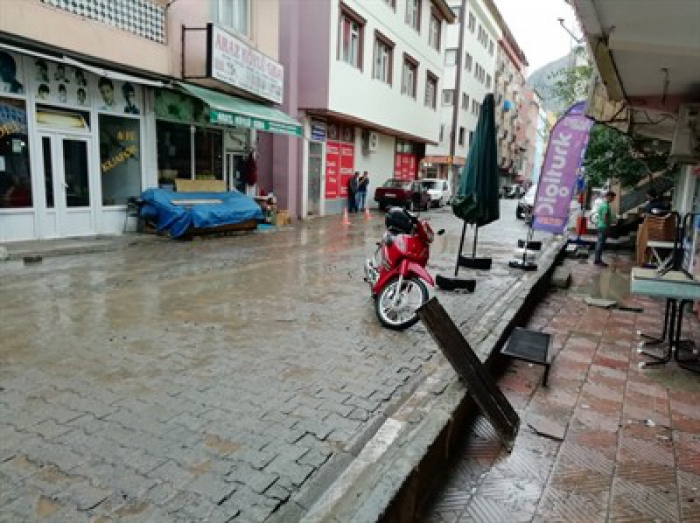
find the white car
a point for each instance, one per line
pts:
(438, 189)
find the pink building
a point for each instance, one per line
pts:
(101, 100)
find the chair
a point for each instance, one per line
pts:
(655, 240)
(133, 210)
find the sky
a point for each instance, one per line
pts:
(536, 29)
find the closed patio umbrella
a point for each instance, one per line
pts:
(476, 200)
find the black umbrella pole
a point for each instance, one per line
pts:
(461, 244)
(476, 237)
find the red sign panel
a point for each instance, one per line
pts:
(332, 169)
(340, 162)
(405, 166)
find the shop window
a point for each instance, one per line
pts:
(174, 152)
(120, 159)
(15, 174)
(208, 144)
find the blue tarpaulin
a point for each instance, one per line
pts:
(176, 212)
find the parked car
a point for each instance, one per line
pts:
(402, 193)
(526, 203)
(439, 191)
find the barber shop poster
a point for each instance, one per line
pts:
(12, 80)
(62, 84)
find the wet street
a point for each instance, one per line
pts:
(222, 377)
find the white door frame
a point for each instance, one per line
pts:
(62, 220)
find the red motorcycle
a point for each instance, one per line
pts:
(396, 273)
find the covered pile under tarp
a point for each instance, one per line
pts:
(177, 212)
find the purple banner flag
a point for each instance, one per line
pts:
(565, 150)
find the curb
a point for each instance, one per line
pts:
(395, 472)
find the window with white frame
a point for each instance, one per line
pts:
(491, 47)
(350, 38)
(468, 62)
(391, 3)
(448, 96)
(434, 32)
(413, 13)
(431, 84)
(465, 101)
(409, 77)
(472, 22)
(383, 58)
(461, 136)
(488, 81)
(450, 56)
(234, 14)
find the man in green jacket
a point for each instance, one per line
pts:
(605, 218)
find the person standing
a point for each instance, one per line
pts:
(362, 184)
(604, 223)
(353, 184)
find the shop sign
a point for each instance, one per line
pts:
(235, 63)
(405, 166)
(250, 122)
(318, 132)
(340, 161)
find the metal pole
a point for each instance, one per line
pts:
(461, 244)
(476, 237)
(458, 94)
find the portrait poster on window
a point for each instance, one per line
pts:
(58, 83)
(12, 80)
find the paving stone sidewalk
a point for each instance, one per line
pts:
(214, 380)
(631, 436)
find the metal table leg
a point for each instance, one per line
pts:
(663, 355)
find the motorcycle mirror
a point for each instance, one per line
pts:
(441, 232)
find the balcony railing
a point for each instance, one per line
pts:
(140, 17)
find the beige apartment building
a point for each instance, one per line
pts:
(100, 100)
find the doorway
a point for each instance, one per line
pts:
(67, 189)
(315, 167)
(235, 163)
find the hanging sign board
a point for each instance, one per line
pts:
(233, 62)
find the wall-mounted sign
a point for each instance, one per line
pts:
(318, 131)
(235, 63)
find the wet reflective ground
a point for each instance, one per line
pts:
(212, 378)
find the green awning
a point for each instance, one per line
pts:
(225, 109)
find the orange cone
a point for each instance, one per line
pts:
(346, 218)
(368, 216)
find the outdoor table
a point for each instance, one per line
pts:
(679, 289)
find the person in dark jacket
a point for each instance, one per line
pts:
(361, 198)
(352, 191)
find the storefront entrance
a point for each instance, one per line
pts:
(68, 193)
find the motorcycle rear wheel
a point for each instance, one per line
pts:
(402, 314)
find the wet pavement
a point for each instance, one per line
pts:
(216, 379)
(617, 442)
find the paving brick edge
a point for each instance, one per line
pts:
(392, 476)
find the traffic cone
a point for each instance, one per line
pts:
(346, 218)
(368, 216)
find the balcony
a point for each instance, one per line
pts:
(139, 17)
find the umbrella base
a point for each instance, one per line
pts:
(524, 265)
(531, 246)
(451, 284)
(475, 263)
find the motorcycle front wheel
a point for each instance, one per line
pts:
(396, 308)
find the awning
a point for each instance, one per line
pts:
(225, 109)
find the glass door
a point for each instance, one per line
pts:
(315, 167)
(69, 206)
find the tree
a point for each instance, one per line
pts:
(611, 154)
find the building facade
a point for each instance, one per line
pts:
(511, 103)
(99, 101)
(365, 83)
(480, 34)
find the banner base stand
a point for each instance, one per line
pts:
(524, 265)
(475, 263)
(452, 284)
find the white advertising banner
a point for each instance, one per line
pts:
(235, 63)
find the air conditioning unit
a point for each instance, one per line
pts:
(685, 147)
(372, 142)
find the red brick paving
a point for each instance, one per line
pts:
(631, 447)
